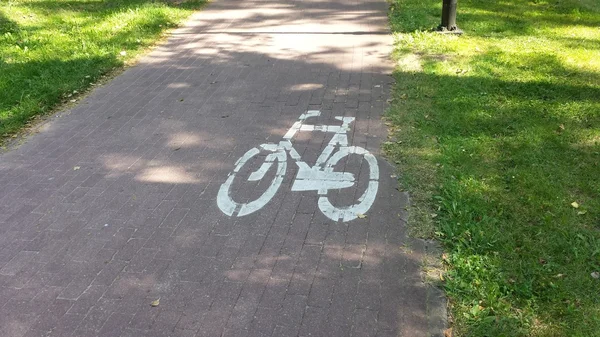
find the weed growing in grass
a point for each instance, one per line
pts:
(52, 50)
(499, 134)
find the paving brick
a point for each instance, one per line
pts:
(93, 321)
(285, 331)
(130, 249)
(81, 282)
(87, 300)
(313, 321)
(15, 325)
(109, 273)
(274, 293)
(243, 312)
(321, 292)
(317, 232)
(50, 319)
(143, 258)
(302, 280)
(214, 321)
(89, 251)
(199, 302)
(144, 318)
(368, 295)
(166, 320)
(290, 315)
(300, 226)
(364, 323)
(115, 325)
(263, 322)
(17, 263)
(37, 333)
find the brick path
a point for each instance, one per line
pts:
(113, 204)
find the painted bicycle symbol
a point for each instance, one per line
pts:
(321, 177)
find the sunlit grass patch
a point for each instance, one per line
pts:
(509, 117)
(52, 50)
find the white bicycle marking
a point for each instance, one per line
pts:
(320, 177)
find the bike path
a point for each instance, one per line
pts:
(109, 220)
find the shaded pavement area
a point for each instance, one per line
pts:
(113, 205)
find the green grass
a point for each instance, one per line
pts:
(497, 133)
(51, 50)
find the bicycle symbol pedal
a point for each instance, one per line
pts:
(320, 178)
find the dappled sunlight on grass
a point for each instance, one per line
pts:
(508, 116)
(53, 50)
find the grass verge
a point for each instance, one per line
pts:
(497, 133)
(52, 50)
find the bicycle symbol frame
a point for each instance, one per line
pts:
(320, 177)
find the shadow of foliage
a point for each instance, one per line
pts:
(490, 18)
(7, 25)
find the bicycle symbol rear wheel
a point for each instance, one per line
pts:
(230, 206)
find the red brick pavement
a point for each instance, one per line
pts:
(113, 204)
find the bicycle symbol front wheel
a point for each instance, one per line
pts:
(366, 200)
(230, 206)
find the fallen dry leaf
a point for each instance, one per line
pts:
(448, 332)
(155, 303)
(575, 204)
